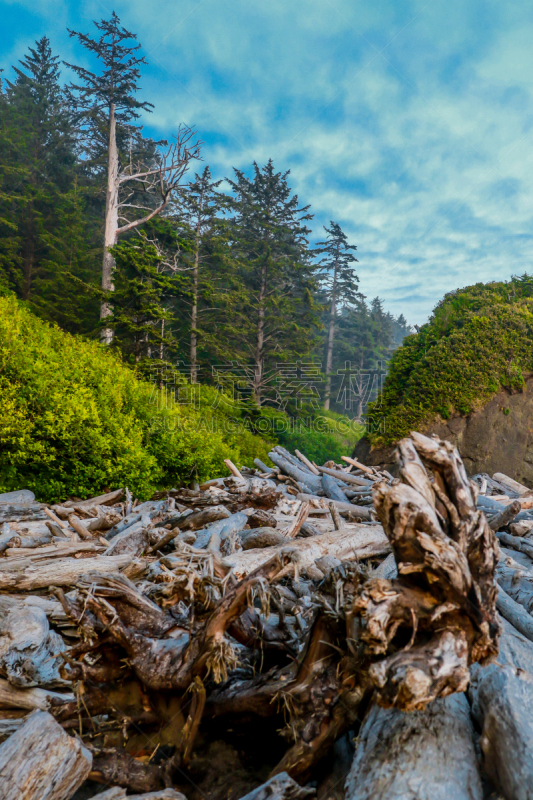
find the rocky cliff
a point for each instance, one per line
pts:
(495, 438)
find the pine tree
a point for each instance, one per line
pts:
(272, 317)
(200, 208)
(339, 286)
(42, 241)
(146, 286)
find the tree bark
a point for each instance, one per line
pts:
(260, 340)
(111, 224)
(42, 762)
(419, 755)
(331, 337)
(194, 309)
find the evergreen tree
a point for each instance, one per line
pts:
(270, 316)
(146, 287)
(338, 284)
(42, 248)
(199, 209)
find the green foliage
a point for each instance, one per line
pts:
(44, 239)
(320, 435)
(145, 288)
(74, 420)
(478, 340)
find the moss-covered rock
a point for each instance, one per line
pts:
(478, 342)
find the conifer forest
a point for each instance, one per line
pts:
(117, 237)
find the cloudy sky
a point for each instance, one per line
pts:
(409, 123)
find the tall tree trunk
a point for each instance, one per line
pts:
(258, 366)
(111, 224)
(29, 253)
(331, 337)
(194, 312)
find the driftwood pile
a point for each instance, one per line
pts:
(287, 632)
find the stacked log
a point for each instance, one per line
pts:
(236, 639)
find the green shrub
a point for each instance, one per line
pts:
(74, 420)
(478, 340)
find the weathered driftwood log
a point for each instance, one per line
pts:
(332, 490)
(421, 755)
(346, 477)
(516, 543)
(517, 584)
(108, 499)
(344, 509)
(30, 653)
(298, 473)
(355, 541)
(21, 512)
(263, 537)
(233, 523)
(132, 542)
(42, 762)
(515, 613)
(42, 699)
(280, 787)
(118, 793)
(58, 572)
(443, 604)
(502, 703)
(20, 496)
(505, 516)
(519, 488)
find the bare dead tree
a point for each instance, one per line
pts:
(156, 182)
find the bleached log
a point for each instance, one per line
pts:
(504, 517)
(514, 613)
(42, 699)
(307, 463)
(517, 584)
(344, 508)
(332, 490)
(42, 762)
(516, 543)
(21, 512)
(132, 542)
(118, 793)
(299, 474)
(502, 702)
(30, 653)
(280, 787)
(108, 499)
(515, 486)
(345, 476)
(355, 541)
(58, 572)
(21, 496)
(420, 755)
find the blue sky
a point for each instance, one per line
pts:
(408, 123)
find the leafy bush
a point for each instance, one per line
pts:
(74, 420)
(478, 340)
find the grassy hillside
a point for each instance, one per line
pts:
(477, 340)
(75, 420)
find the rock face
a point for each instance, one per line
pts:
(496, 438)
